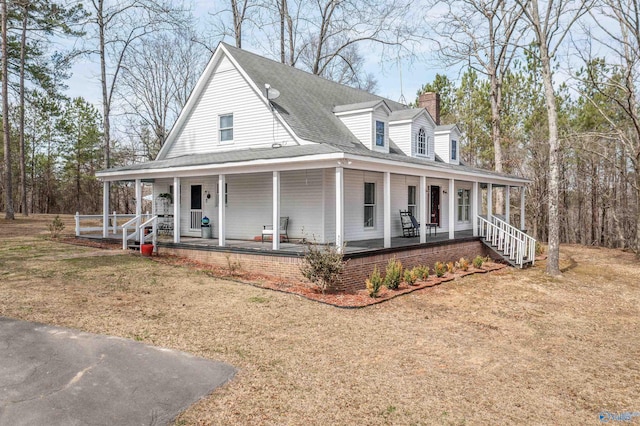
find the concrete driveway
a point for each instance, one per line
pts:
(58, 376)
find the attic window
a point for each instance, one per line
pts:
(422, 142)
(226, 128)
(454, 148)
(379, 133)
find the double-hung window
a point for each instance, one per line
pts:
(422, 142)
(454, 149)
(369, 204)
(226, 127)
(379, 133)
(463, 205)
(411, 200)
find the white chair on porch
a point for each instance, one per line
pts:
(284, 224)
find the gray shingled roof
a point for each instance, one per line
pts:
(306, 101)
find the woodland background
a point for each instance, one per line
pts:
(545, 90)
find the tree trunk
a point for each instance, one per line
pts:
(8, 193)
(106, 102)
(23, 172)
(553, 261)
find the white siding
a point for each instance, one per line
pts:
(442, 147)
(402, 136)
(360, 126)
(329, 205)
(301, 199)
(227, 92)
(444, 204)
(354, 205)
(455, 135)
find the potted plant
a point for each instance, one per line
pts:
(167, 196)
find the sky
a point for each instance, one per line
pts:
(85, 80)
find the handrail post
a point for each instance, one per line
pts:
(115, 223)
(77, 224)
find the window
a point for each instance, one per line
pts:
(463, 205)
(422, 142)
(411, 200)
(379, 133)
(369, 204)
(454, 147)
(226, 128)
(226, 194)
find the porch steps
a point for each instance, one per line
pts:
(526, 262)
(512, 245)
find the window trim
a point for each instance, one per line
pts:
(412, 206)
(463, 209)
(423, 143)
(376, 134)
(224, 129)
(369, 205)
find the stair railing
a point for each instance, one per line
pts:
(529, 242)
(138, 230)
(505, 241)
(153, 221)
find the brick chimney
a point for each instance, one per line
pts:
(431, 102)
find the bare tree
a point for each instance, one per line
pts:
(118, 26)
(157, 77)
(620, 29)
(550, 30)
(486, 35)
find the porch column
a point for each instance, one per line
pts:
(507, 202)
(138, 206)
(474, 208)
(339, 208)
(387, 209)
(522, 204)
(105, 209)
(276, 211)
(452, 207)
(176, 210)
(423, 209)
(222, 222)
(489, 201)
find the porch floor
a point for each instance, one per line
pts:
(293, 247)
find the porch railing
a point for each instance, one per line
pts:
(513, 243)
(95, 223)
(139, 230)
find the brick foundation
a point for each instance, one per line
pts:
(359, 266)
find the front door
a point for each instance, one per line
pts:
(196, 207)
(435, 205)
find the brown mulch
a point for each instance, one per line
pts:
(359, 299)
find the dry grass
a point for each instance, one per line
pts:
(508, 347)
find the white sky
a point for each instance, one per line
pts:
(85, 80)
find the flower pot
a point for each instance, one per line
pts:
(146, 249)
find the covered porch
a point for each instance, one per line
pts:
(350, 201)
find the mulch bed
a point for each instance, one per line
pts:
(359, 299)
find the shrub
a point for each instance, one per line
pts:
(393, 274)
(411, 276)
(451, 268)
(56, 227)
(423, 272)
(478, 261)
(322, 266)
(462, 264)
(440, 269)
(374, 283)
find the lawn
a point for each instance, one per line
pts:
(506, 347)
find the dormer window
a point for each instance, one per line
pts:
(422, 142)
(454, 148)
(379, 133)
